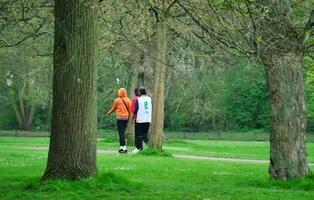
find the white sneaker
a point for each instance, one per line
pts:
(135, 151)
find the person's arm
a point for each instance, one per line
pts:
(136, 107)
(113, 108)
(133, 105)
(129, 107)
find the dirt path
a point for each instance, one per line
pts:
(101, 151)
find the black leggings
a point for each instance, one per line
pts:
(141, 134)
(121, 125)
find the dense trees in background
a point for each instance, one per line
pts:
(208, 65)
(128, 49)
(221, 100)
(26, 91)
(25, 72)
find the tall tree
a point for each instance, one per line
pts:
(156, 133)
(72, 151)
(281, 51)
(266, 29)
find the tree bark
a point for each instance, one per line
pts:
(288, 117)
(130, 136)
(30, 118)
(72, 151)
(17, 115)
(130, 128)
(140, 81)
(156, 133)
(280, 50)
(24, 109)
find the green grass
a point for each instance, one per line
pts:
(248, 135)
(153, 152)
(142, 177)
(258, 134)
(232, 149)
(216, 148)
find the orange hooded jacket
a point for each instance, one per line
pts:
(122, 111)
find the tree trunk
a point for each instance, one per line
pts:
(72, 151)
(145, 69)
(130, 128)
(130, 136)
(17, 114)
(24, 111)
(288, 117)
(140, 72)
(156, 133)
(280, 50)
(30, 118)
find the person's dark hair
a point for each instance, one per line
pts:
(137, 92)
(142, 90)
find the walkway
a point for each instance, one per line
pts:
(241, 160)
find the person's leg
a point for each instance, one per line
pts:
(145, 132)
(125, 124)
(121, 124)
(141, 135)
(137, 135)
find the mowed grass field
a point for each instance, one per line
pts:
(215, 148)
(150, 177)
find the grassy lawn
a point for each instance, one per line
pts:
(234, 149)
(141, 177)
(217, 148)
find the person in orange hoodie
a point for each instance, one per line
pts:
(122, 107)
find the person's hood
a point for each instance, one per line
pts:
(122, 92)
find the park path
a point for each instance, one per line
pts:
(239, 160)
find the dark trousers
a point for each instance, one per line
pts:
(121, 125)
(141, 134)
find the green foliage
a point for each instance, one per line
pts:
(176, 121)
(25, 81)
(234, 97)
(246, 96)
(309, 85)
(42, 118)
(7, 119)
(210, 88)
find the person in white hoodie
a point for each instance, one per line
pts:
(143, 110)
